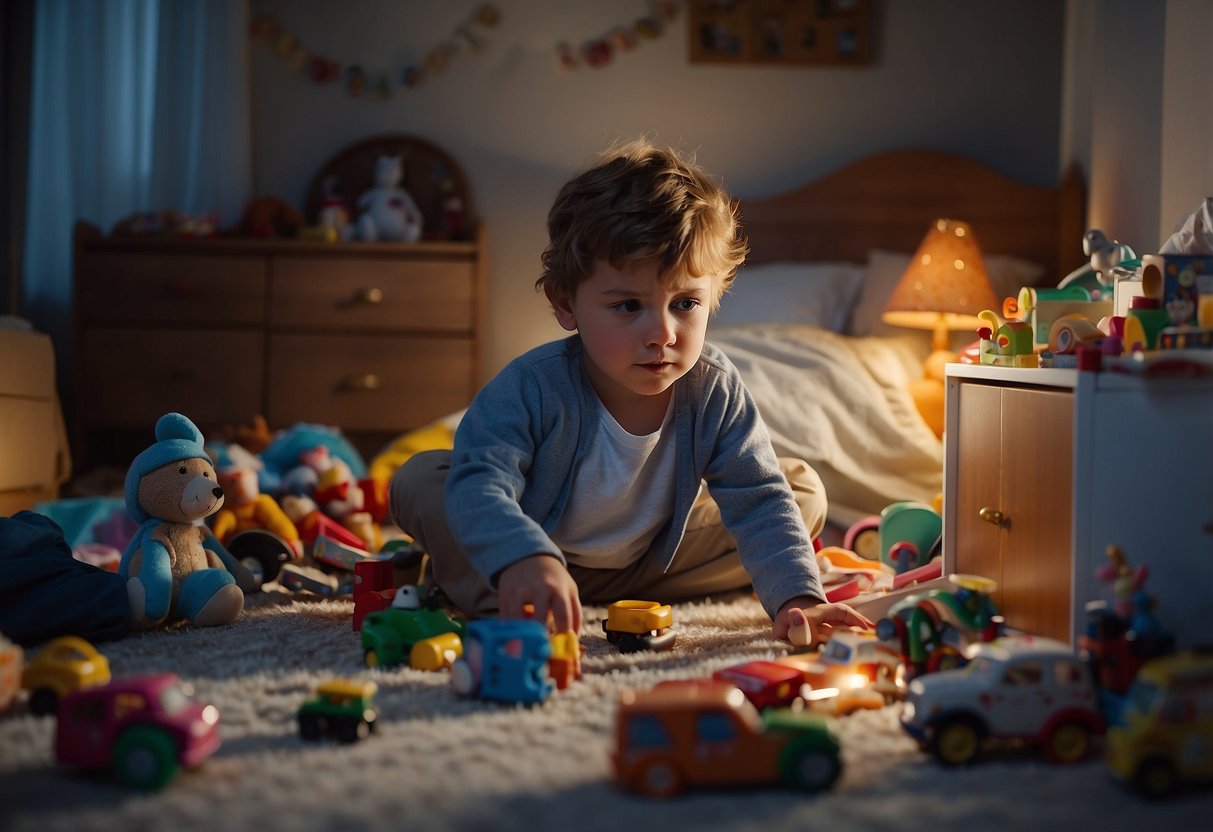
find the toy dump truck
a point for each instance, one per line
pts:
(639, 625)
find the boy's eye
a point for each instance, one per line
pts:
(684, 304)
(630, 305)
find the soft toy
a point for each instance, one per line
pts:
(174, 567)
(388, 212)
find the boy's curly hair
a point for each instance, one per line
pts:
(639, 202)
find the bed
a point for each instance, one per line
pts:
(802, 321)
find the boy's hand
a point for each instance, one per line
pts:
(805, 621)
(544, 583)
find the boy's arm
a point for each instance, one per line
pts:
(806, 621)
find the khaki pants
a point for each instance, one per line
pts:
(706, 561)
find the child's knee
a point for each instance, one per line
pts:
(416, 486)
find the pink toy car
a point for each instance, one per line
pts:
(143, 727)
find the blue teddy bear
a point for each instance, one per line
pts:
(174, 567)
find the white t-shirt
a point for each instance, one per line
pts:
(623, 493)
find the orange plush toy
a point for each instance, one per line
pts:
(245, 507)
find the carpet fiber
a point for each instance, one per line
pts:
(441, 762)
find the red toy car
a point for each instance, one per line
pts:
(144, 727)
(766, 684)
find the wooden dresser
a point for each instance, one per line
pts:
(374, 338)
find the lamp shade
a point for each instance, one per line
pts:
(946, 283)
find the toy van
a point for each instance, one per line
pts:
(505, 660)
(1165, 738)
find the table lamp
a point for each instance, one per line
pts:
(943, 289)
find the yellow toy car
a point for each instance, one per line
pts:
(65, 665)
(639, 625)
(1165, 735)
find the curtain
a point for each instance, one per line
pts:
(136, 105)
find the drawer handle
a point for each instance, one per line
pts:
(368, 296)
(992, 516)
(361, 382)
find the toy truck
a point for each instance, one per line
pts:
(505, 660)
(639, 625)
(144, 728)
(392, 635)
(709, 734)
(342, 708)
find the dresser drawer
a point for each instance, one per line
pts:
(367, 383)
(161, 288)
(132, 377)
(348, 293)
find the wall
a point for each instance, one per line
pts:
(982, 79)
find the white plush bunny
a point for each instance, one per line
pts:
(388, 212)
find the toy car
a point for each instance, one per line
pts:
(766, 684)
(1166, 735)
(639, 625)
(505, 660)
(708, 734)
(11, 658)
(146, 728)
(65, 665)
(342, 708)
(387, 634)
(854, 670)
(564, 665)
(1016, 687)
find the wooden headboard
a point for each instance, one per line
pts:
(888, 200)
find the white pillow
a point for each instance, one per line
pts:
(885, 268)
(818, 294)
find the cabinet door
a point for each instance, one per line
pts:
(1037, 500)
(976, 543)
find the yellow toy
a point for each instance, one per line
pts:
(245, 508)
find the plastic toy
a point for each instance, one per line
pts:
(340, 555)
(505, 660)
(262, 552)
(1006, 343)
(174, 567)
(387, 634)
(245, 507)
(1166, 736)
(931, 631)
(564, 665)
(1016, 687)
(766, 684)
(708, 734)
(146, 728)
(342, 708)
(388, 212)
(299, 577)
(639, 625)
(11, 662)
(65, 665)
(913, 523)
(853, 671)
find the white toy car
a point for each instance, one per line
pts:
(1015, 687)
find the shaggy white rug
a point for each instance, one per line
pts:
(439, 761)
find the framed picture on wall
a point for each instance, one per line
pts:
(780, 32)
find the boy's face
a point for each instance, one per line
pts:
(639, 335)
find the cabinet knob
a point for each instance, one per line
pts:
(360, 382)
(369, 296)
(992, 515)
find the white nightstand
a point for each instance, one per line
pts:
(1046, 467)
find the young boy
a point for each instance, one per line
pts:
(577, 473)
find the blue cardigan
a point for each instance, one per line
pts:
(523, 435)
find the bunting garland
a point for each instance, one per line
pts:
(598, 51)
(358, 79)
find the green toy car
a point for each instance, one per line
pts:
(342, 708)
(389, 636)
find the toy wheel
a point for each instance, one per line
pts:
(43, 701)
(145, 759)
(372, 658)
(309, 727)
(956, 742)
(261, 552)
(660, 779)
(353, 730)
(810, 769)
(1068, 743)
(461, 678)
(1155, 778)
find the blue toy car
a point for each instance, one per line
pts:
(504, 660)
